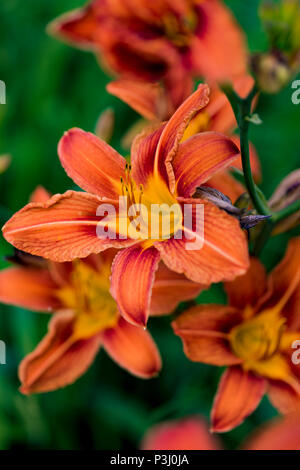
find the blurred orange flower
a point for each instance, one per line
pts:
(169, 40)
(253, 336)
(164, 171)
(192, 434)
(87, 316)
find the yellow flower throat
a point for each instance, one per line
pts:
(258, 338)
(151, 212)
(89, 297)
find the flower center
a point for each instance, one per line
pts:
(179, 30)
(89, 297)
(152, 212)
(259, 338)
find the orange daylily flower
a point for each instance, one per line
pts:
(87, 316)
(169, 41)
(164, 171)
(192, 433)
(253, 336)
(149, 101)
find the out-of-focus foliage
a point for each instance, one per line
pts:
(50, 88)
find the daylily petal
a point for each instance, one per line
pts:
(28, 288)
(283, 396)
(143, 153)
(171, 288)
(238, 395)
(62, 229)
(220, 258)
(144, 97)
(174, 130)
(280, 434)
(203, 330)
(77, 27)
(199, 158)
(91, 163)
(184, 434)
(218, 115)
(40, 194)
(60, 272)
(178, 85)
(132, 278)
(126, 51)
(59, 359)
(249, 288)
(132, 348)
(285, 282)
(219, 57)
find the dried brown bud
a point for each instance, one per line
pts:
(286, 193)
(247, 219)
(272, 73)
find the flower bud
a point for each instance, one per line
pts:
(247, 219)
(281, 21)
(105, 125)
(4, 162)
(272, 73)
(286, 193)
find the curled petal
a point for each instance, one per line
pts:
(185, 434)
(219, 257)
(59, 359)
(203, 330)
(199, 158)
(132, 348)
(132, 278)
(249, 288)
(171, 288)
(174, 130)
(91, 163)
(28, 288)
(62, 229)
(238, 395)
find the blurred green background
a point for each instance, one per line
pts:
(50, 88)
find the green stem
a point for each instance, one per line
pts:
(242, 110)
